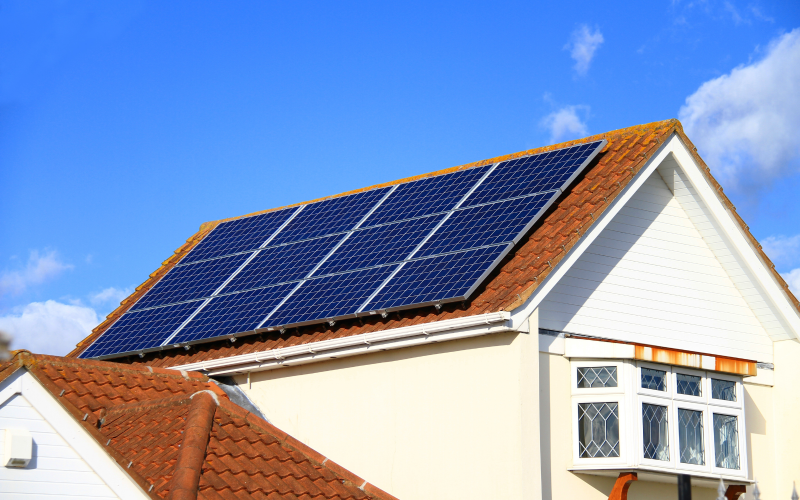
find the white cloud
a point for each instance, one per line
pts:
(582, 46)
(38, 269)
(565, 123)
(49, 327)
(793, 279)
(782, 250)
(110, 296)
(745, 123)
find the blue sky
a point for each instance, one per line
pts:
(124, 126)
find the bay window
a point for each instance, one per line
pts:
(631, 414)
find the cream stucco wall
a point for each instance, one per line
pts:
(488, 417)
(785, 413)
(457, 419)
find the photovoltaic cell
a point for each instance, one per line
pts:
(239, 235)
(282, 263)
(379, 245)
(531, 174)
(483, 225)
(426, 196)
(189, 282)
(329, 216)
(136, 331)
(234, 313)
(329, 297)
(434, 279)
(448, 267)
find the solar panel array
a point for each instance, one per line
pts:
(427, 241)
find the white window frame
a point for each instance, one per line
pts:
(630, 396)
(704, 387)
(602, 395)
(708, 454)
(743, 466)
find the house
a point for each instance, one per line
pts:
(636, 331)
(95, 429)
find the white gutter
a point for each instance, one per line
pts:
(451, 329)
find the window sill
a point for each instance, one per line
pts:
(658, 475)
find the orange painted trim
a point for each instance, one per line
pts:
(738, 366)
(695, 360)
(669, 356)
(620, 490)
(689, 359)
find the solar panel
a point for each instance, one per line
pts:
(379, 245)
(331, 296)
(283, 263)
(531, 174)
(426, 196)
(230, 314)
(434, 279)
(483, 225)
(330, 216)
(193, 281)
(140, 330)
(427, 241)
(238, 235)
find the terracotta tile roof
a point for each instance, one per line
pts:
(512, 282)
(150, 420)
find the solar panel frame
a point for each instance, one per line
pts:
(380, 195)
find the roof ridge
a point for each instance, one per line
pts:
(30, 359)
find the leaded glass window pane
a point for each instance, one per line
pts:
(690, 437)
(597, 376)
(656, 432)
(726, 441)
(689, 385)
(598, 430)
(723, 389)
(655, 380)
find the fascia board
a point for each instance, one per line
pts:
(521, 314)
(735, 235)
(76, 436)
(365, 343)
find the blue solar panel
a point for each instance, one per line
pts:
(136, 331)
(443, 277)
(532, 174)
(379, 245)
(330, 216)
(189, 282)
(484, 225)
(239, 235)
(234, 313)
(282, 263)
(426, 241)
(426, 196)
(331, 296)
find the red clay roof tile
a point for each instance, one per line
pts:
(144, 416)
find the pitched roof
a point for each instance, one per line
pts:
(514, 280)
(150, 420)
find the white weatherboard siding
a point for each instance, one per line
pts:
(650, 277)
(56, 470)
(688, 197)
